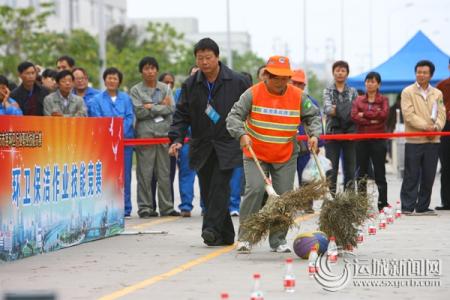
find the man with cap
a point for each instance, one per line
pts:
(299, 80)
(266, 118)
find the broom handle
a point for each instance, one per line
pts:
(250, 149)
(316, 159)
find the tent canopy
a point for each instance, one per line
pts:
(398, 71)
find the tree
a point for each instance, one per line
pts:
(120, 36)
(46, 47)
(84, 48)
(169, 48)
(316, 87)
(18, 27)
(161, 41)
(247, 62)
(22, 37)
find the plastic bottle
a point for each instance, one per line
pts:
(224, 296)
(312, 269)
(372, 229)
(332, 251)
(389, 214)
(256, 292)
(360, 236)
(398, 210)
(382, 220)
(289, 278)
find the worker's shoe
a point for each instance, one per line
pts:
(147, 214)
(282, 249)
(243, 247)
(309, 210)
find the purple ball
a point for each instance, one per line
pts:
(305, 241)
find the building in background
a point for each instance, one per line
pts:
(78, 14)
(240, 41)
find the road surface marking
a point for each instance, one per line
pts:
(173, 272)
(155, 222)
(190, 264)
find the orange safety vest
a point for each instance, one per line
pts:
(272, 123)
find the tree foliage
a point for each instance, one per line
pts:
(121, 37)
(18, 29)
(316, 87)
(247, 62)
(23, 36)
(126, 48)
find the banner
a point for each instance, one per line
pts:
(61, 182)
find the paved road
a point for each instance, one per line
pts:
(177, 265)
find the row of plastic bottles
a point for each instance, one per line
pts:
(385, 216)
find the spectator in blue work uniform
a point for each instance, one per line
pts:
(8, 106)
(81, 88)
(113, 103)
(299, 80)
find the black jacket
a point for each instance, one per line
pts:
(21, 95)
(207, 136)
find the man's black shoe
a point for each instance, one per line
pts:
(381, 205)
(219, 242)
(426, 212)
(442, 208)
(209, 237)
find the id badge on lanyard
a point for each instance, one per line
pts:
(210, 111)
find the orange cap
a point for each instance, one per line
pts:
(279, 66)
(299, 76)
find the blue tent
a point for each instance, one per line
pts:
(398, 71)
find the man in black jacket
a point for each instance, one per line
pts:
(206, 99)
(29, 95)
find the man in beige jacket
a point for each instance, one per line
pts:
(423, 110)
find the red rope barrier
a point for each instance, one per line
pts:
(349, 136)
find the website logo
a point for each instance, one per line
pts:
(376, 272)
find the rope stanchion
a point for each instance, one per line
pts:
(341, 137)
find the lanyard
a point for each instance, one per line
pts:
(210, 89)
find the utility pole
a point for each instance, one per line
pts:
(101, 41)
(371, 34)
(70, 10)
(229, 52)
(304, 36)
(342, 31)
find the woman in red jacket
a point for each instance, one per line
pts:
(370, 113)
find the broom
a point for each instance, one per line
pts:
(340, 217)
(279, 212)
(267, 182)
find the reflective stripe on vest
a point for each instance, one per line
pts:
(268, 138)
(276, 112)
(272, 125)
